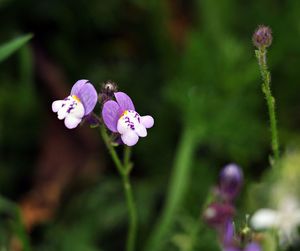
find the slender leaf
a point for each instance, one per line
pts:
(10, 47)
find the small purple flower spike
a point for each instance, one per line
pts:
(120, 116)
(78, 104)
(231, 180)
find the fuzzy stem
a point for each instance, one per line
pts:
(177, 188)
(261, 55)
(124, 171)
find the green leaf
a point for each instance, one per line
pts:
(10, 47)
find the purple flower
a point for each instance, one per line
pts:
(121, 117)
(231, 180)
(78, 104)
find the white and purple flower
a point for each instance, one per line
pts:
(81, 102)
(120, 117)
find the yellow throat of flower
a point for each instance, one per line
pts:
(76, 98)
(124, 113)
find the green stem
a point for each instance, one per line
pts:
(124, 171)
(177, 188)
(261, 55)
(112, 151)
(130, 246)
(126, 159)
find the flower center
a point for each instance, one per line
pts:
(76, 98)
(130, 119)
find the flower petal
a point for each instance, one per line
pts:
(77, 86)
(228, 234)
(147, 121)
(72, 122)
(56, 105)
(110, 114)
(141, 130)
(88, 96)
(253, 246)
(130, 138)
(124, 101)
(264, 218)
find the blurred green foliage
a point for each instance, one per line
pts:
(202, 82)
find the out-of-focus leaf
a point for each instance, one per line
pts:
(10, 47)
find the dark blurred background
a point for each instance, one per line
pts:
(190, 64)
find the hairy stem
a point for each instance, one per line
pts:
(261, 55)
(124, 169)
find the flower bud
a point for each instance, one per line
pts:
(231, 180)
(107, 91)
(262, 37)
(218, 214)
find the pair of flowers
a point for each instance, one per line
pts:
(119, 116)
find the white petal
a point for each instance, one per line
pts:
(147, 121)
(56, 105)
(141, 130)
(72, 122)
(78, 111)
(62, 112)
(264, 218)
(130, 138)
(122, 126)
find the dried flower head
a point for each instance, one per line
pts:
(262, 37)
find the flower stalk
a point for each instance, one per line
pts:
(124, 168)
(262, 39)
(261, 55)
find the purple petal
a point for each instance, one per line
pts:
(253, 246)
(124, 101)
(88, 96)
(228, 233)
(77, 86)
(110, 115)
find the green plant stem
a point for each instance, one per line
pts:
(132, 214)
(261, 55)
(124, 171)
(177, 188)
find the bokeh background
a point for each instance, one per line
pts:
(190, 64)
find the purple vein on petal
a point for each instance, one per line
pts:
(110, 114)
(124, 101)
